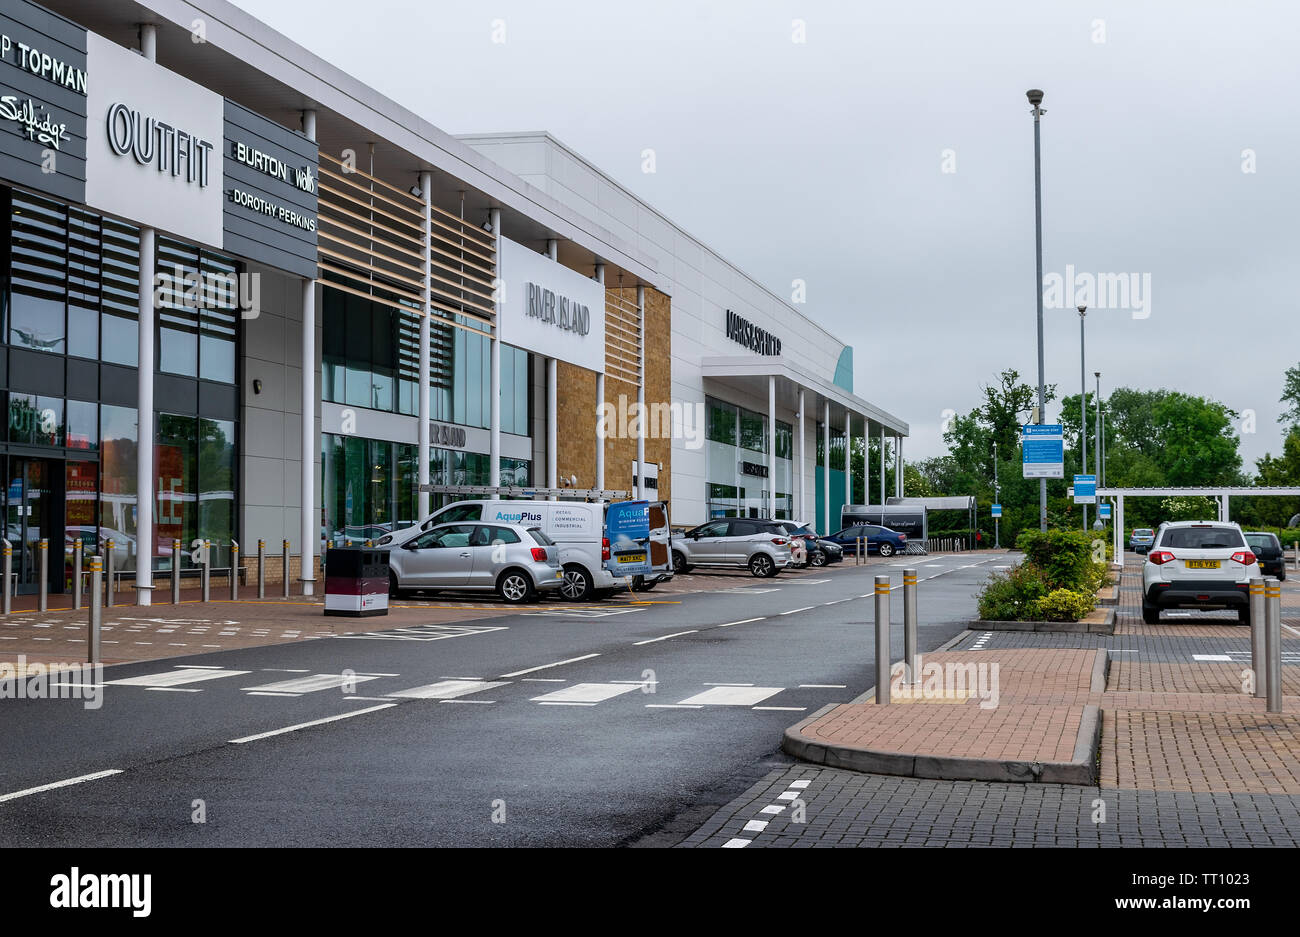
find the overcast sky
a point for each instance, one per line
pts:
(825, 160)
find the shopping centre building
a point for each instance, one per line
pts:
(305, 302)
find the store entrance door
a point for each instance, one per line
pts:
(34, 511)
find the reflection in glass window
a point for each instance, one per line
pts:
(216, 464)
(119, 273)
(117, 508)
(83, 425)
(722, 422)
(37, 273)
(176, 504)
(36, 420)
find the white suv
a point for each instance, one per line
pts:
(1198, 564)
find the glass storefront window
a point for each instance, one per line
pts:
(83, 425)
(753, 431)
(36, 420)
(722, 423)
(216, 488)
(37, 274)
(176, 504)
(117, 508)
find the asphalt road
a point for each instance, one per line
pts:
(551, 727)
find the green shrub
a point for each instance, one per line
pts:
(1010, 595)
(1062, 605)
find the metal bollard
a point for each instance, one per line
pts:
(1257, 617)
(9, 577)
(1273, 644)
(882, 640)
(205, 574)
(43, 574)
(285, 577)
(96, 609)
(911, 665)
(234, 570)
(1295, 554)
(261, 569)
(108, 573)
(76, 574)
(176, 572)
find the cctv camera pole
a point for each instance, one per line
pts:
(1036, 98)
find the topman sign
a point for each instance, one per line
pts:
(560, 311)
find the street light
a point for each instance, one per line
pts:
(1083, 410)
(1035, 100)
(1097, 524)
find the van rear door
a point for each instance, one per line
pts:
(660, 538)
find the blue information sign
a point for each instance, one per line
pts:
(1085, 489)
(997, 510)
(1103, 511)
(627, 525)
(1042, 447)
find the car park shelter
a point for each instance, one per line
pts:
(1223, 496)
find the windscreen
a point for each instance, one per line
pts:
(1209, 537)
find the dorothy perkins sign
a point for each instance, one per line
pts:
(740, 329)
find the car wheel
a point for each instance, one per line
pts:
(1150, 614)
(817, 559)
(393, 590)
(577, 585)
(886, 549)
(1243, 615)
(516, 587)
(680, 566)
(761, 565)
(1281, 574)
(639, 584)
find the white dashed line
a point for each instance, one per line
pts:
(314, 722)
(57, 784)
(558, 663)
(665, 637)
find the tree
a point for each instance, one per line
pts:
(1291, 397)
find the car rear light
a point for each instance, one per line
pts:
(604, 549)
(1244, 557)
(1160, 557)
(902, 537)
(780, 542)
(539, 554)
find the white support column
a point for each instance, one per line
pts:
(309, 519)
(494, 444)
(826, 468)
(898, 466)
(552, 399)
(144, 479)
(848, 459)
(771, 446)
(800, 467)
(640, 393)
(426, 336)
(882, 465)
(600, 399)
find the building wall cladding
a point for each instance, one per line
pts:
(577, 407)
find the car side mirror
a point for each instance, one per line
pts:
(411, 545)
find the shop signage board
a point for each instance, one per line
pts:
(43, 85)
(1042, 447)
(154, 144)
(269, 186)
(551, 310)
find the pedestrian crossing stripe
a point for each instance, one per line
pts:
(423, 633)
(176, 677)
(732, 696)
(586, 693)
(312, 684)
(448, 689)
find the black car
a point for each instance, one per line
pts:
(1268, 550)
(821, 552)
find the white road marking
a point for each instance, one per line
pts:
(822, 686)
(562, 703)
(57, 784)
(483, 701)
(1211, 657)
(588, 693)
(448, 689)
(670, 706)
(665, 637)
(312, 684)
(177, 677)
(788, 795)
(736, 843)
(784, 709)
(733, 695)
(257, 693)
(558, 663)
(743, 621)
(174, 689)
(756, 826)
(800, 785)
(544, 680)
(728, 684)
(794, 610)
(314, 722)
(773, 809)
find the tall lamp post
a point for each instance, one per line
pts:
(1097, 524)
(1035, 100)
(1083, 408)
(997, 521)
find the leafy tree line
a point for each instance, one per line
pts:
(1151, 438)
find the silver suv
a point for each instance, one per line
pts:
(761, 545)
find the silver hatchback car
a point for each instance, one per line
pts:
(514, 561)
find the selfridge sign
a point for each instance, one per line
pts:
(153, 144)
(43, 86)
(551, 310)
(741, 330)
(270, 192)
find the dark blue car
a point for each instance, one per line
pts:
(880, 540)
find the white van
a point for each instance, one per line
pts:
(578, 529)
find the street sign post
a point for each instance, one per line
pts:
(1042, 448)
(1103, 511)
(1085, 489)
(997, 510)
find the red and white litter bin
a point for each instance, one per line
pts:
(356, 582)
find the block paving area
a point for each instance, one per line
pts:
(1187, 756)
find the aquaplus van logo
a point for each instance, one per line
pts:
(521, 517)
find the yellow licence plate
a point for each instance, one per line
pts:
(631, 557)
(1202, 564)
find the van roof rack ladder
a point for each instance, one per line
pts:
(527, 491)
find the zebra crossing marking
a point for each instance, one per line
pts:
(176, 677)
(586, 693)
(448, 689)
